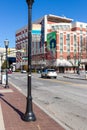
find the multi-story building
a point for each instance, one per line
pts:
(22, 44)
(57, 41)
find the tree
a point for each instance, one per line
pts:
(4, 65)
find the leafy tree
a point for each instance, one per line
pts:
(4, 65)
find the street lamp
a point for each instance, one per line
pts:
(29, 115)
(6, 42)
(1, 66)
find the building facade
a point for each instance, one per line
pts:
(11, 56)
(56, 42)
(22, 44)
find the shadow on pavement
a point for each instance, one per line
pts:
(15, 109)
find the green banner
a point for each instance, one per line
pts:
(51, 45)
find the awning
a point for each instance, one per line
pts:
(63, 63)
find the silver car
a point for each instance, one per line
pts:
(48, 73)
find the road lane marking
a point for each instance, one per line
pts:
(63, 82)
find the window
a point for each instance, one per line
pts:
(81, 26)
(68, 37)
(81, 39)
(68, 43)
(86, 29)
(75, 43)
(61, 42)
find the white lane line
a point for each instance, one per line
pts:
(2, 127)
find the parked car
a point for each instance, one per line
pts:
(49, 73)
(9, 71)
(39, 71)
(23, 71)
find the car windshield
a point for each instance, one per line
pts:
(51, 70)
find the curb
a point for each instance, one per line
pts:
(75, 78)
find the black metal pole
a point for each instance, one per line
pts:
(29, 115)
(6, 85)
(1, 68)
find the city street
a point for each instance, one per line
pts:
(62, 98)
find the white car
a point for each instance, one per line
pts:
(48, 73)
(23, 71)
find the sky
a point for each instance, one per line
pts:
(14, 14)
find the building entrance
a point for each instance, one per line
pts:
(61, 69)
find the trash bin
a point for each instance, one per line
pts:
(3, 78)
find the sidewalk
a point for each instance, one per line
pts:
(73, 76)
(12, 108)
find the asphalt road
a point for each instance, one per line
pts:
(64, 99)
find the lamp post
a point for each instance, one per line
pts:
(1, 67)
(6, 42)
(29, 115)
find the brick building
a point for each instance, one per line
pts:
(22, 44)
(56, 42)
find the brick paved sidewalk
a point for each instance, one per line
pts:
(13, 105)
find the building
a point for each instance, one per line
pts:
(11, 56)
(56, 42)
(22, 45)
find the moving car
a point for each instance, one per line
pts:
(48, 73)
(23, 71)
